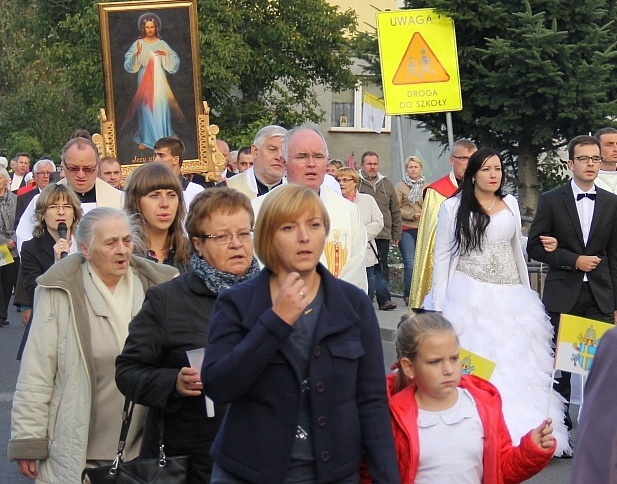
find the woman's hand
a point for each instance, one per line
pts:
(291, 298)
(188, 382)
(27, 468)
(25, 315)
(61, 246)
(416, 216)
(542, 435)
(11, 244)
(549, 243)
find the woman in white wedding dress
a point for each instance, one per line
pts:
(480, 284)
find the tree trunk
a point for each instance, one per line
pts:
(528, 184)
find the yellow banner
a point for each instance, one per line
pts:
(577, 343)
(374, 101)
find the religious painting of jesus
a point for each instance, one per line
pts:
(152, 75)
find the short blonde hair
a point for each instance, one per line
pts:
(413, 158)
(350, 172)
(285, 204)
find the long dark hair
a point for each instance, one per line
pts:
(471, 219)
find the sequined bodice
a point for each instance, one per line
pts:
(495, 264)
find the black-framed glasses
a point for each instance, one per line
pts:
(585, 159)
(77, 169)
(464, 158)
(344, 180)
(224, 239)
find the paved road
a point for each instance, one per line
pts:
(557, 472)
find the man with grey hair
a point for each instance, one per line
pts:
(80, 159)
(42, 171)
(305, 156)
(607, 176)
(268, 169)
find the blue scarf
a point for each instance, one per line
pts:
(217, 280)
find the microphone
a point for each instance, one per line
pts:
(62, 233)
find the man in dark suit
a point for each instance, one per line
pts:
(582, 275)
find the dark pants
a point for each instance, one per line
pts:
(382, 278)
(8, 278)
(585, 307)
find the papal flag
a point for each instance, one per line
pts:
(373, 112)
(5, 255)
(577, 343)
(474, 364)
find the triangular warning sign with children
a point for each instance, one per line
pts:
(419, 64)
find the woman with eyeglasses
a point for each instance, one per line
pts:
(371, 217)
(155, 196)
(55, 205)
(481, 285)
(175, 318)
(410, 194)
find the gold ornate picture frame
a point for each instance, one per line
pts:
(151, 71)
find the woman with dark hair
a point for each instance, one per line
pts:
(154, 194)
(480, 283)
(151, 58)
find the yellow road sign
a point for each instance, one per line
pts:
(419, 63)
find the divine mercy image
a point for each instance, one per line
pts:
(151, 58)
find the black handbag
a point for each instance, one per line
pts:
(167, 470)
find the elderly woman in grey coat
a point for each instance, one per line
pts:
(67, 410)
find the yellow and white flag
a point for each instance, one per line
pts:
(473, 364)
(373, 112)
(577, 343)
(5, 255)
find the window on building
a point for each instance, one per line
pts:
(347, 108)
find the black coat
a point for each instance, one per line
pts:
(37, 255)
(175, 317)
(557, 216)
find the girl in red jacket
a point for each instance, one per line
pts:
(449, 428)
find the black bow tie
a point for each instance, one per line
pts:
(590, 196)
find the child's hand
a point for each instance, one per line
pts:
(542, 436)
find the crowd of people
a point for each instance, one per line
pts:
(244, 312)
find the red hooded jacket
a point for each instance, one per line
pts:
(503, 462)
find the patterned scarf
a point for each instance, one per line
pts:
(217, 280)
(415, 188)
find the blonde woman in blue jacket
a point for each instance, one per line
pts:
(297, 355)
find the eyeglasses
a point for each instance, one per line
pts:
(225, 239)
(585, 159)
(77, 169)
(344, 180)
(464, 158)
(304, 157)
(60, 207)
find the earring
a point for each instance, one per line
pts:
(473, 181)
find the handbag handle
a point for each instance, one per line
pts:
(127, 417)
